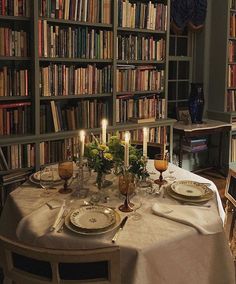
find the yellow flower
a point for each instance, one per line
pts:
(94, 152)
(103, 148)
(108, 156)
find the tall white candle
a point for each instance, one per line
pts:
(145, 140)
(104, 131)
(82, 139)
(126, 156)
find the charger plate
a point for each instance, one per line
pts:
(190, 189)
(36, 176)
(78, 230)
(93, 217)
(202, 199)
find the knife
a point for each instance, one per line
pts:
(122, 224)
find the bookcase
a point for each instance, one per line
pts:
(79, 62)
(222, 69)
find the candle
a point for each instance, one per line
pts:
(104, 131)
(145, 140)
(82, 138)
(126, 157)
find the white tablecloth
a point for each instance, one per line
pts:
(153, 249)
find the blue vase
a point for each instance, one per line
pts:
(196, 102)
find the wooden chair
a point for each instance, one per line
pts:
(23, 264)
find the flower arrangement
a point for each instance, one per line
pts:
(100, 159)
(136, 159)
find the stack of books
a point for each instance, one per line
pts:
(195, 145)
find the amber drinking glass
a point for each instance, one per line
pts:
(126, 188)
(161, 165)
(65, 171)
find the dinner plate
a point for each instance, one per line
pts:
(44, 177)
(78, 230)
(93, 217)
(202, 199)
(190, 189)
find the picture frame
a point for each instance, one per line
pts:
(230, 188)
(183, 114)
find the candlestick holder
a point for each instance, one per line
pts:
(81, 191)
(144, 183)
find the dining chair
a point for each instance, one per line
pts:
(23, 264)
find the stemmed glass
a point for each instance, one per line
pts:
(65, 171)
(126, 187)
(161, 165)
(46, 179)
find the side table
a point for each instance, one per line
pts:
(207, 128)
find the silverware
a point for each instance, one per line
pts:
(121, 227)
(60, 226)
(59, 216)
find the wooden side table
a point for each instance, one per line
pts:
(207, 128)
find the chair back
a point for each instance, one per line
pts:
(24, 264)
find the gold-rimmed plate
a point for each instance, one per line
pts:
(178, 197)
(78, 230)
(93, 217)
(56, 178)
(190, 189)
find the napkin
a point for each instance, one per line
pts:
(204, 220)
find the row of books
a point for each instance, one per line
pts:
(54, 151)
(56, 116)
(232, 4)
(156, 135)
(142, 78)
(132, 47)
(195, 145)
(231, 100)
(14, 82)
(62, 80)
(74, 42)
(15, 118)
(93, 11)
(17, 156)
(232, 76)
(232, 27)
(132, 108)
(13, 42)
(142, 15)
(232, 51)
(15, 8)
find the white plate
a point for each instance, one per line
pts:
(56, 177)
(92, 232)
(93, 217)
(178, 197)
(189, 188)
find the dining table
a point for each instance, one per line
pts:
(164, 240)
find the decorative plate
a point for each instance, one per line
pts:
(56, 177)
(93, 217)
(190, 189)
(81, 231)
(202, 199)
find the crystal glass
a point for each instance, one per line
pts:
(161, 165)
(65, 171)
(46, 179)
(126, 188)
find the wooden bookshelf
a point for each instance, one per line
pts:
(56, 27)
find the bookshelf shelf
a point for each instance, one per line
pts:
(47, 73)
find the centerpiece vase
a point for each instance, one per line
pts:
(196, 102)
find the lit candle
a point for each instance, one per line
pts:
(104, 131)
(145, 140)
(126, 157)
(82, 138)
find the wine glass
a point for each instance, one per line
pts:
(161, 165)
(65, 171)
(46, 179)
(126, 188)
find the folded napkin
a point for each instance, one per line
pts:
(38, 223)
(204, 220)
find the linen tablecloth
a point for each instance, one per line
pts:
(153, 249)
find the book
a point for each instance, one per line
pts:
(143, 120)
